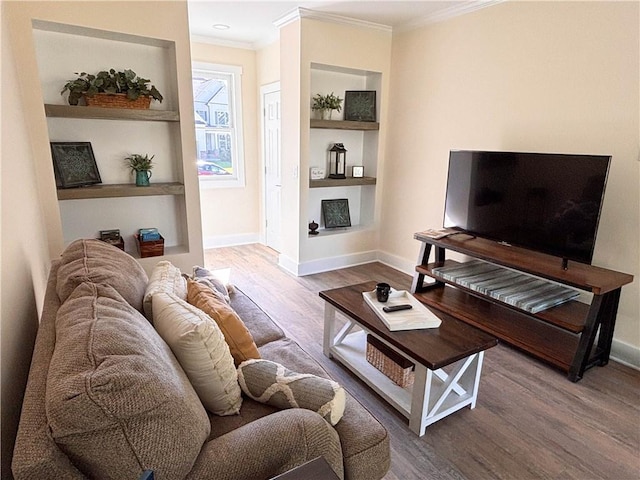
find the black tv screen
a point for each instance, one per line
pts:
(545, 202)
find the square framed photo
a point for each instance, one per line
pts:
(357, 171)
(74, 164)
(360, 105)
(336, 213)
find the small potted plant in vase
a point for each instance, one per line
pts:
(326, 104)
(141, 165)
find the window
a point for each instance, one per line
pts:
(218, 118)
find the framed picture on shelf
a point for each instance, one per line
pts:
(336, 213)
(360, 105)
(357, 171)
(74, 164)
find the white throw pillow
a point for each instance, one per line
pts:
(200, 347)
(167, 278)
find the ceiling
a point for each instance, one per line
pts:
(251, 23)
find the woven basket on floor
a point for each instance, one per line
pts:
(117, 100)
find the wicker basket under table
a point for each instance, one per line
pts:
(391, 363)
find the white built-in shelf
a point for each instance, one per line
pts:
(345, 125)
(342, 182)
(330, 232)
(120, 190)
(99, 113)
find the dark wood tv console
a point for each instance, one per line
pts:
(562, 336)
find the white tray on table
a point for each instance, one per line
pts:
(418, 317)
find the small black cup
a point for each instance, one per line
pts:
(382, 292)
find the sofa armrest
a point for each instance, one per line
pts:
(36, 455)
(269, 446)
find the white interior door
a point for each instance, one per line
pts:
(272, 168)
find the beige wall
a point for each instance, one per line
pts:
(25, 258)
(523, 76)
(268, 64)
(234, 213)
(31, 231)
(290, 133)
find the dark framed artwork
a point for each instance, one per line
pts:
(336, 213)
(74, 164)
(360, 105)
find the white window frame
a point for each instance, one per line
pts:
(237, 153)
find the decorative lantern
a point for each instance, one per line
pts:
(337, 161)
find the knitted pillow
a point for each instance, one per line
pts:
(199, 345)
(164, 278)
(271, 383)
(235, 332)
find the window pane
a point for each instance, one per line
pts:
(214, 123)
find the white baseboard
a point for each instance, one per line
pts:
(230, 240)
(288, 264)
(626, 354)
(399, 263)
(335, 263)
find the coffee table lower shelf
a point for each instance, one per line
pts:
(434, 395)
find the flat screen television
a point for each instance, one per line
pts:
(545, 202)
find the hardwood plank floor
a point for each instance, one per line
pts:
(530, 422)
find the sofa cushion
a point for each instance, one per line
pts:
(90, 260)
(117, 400)
(269, 382)
(199, 345)
(262, 328)
(167, 278)
(235, 332)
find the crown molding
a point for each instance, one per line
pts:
(301, 12)
(448, 13)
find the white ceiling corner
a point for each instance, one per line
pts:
(254, 24)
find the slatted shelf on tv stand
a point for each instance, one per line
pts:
(563, 336)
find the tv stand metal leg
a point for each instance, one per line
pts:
(423, 259)
(602, 315)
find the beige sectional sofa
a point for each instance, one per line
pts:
(107, 398)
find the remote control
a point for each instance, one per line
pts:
(397, 308)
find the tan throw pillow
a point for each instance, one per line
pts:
(117, 401)
(271, 383)
(90, 260)
(235, 332)
(164, 278)
(199, 346)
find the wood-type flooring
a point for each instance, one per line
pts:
(530, 422)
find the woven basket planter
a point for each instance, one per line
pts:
(117, 100)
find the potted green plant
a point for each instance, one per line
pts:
(123, 89)
(326, 104)
(141, 165)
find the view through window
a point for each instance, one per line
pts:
(217, 100)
